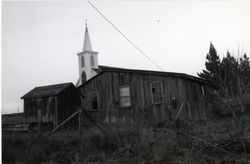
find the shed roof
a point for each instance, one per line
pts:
(149, 72)
(47, 91)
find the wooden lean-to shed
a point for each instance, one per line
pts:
(51, 104)
(126, 96)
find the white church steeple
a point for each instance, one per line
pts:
(87, 60)
(87, 44)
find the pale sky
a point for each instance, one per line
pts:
(40, 39)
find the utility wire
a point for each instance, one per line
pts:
(126, 37)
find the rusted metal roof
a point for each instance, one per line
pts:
(47, 91)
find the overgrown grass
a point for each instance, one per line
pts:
(122, 144)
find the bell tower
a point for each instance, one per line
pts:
(87, 60)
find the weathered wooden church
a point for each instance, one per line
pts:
(119, 96)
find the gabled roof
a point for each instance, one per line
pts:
(47, 91)
(148, 72)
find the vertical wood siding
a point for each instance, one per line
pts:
(55, 109)
(143, 110)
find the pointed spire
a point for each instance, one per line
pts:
(87, 44)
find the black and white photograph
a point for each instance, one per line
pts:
(125, 81)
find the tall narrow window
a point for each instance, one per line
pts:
(82, 61)
(93, 100)
(125, 96)
(157, 92)
(92, 61)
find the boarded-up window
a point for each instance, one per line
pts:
(125, 96)
(157, 92)
(93, 100)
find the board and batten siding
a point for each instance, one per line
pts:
(54, 109)
(47, 105)
(142, 110)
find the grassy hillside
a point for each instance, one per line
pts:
(168, 142)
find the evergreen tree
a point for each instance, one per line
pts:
(229, 76)
(244, 69)
(235, 75)
(232, 77)
(212, 66)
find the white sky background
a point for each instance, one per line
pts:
(40, 39)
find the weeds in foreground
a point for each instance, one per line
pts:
(126, 144)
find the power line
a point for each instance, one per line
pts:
(126, 37)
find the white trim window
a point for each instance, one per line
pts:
(125, 96)
(92, 61)
(82, 61)
(157, 92)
